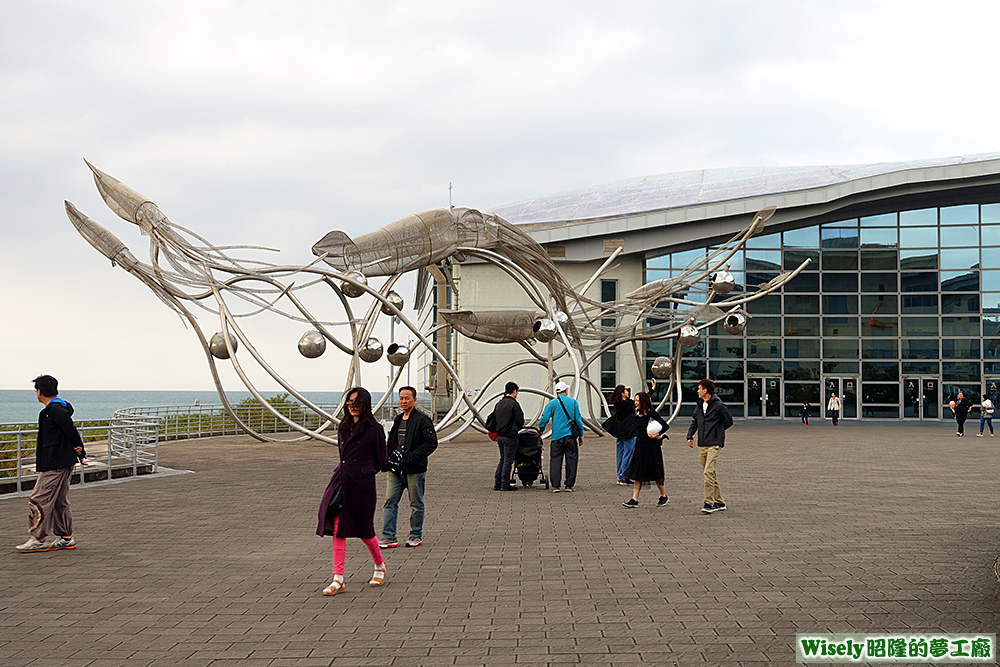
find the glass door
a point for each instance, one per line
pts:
(772, 397)
(849, 398)
(920, 398)
(763, 396)
(930, 405)
(755, 397)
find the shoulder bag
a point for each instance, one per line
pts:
(574, 428)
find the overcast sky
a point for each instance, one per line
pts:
(273, 123)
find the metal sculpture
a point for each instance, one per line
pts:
(186, 271)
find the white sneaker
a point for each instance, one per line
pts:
(32, 545)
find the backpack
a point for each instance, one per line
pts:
(491, 425)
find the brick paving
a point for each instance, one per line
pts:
(858, 528)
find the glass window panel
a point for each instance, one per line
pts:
(801, 326)
(840, 282)
(802, 392)
(764, 348)
(840, 326)
(918, 326)
(609, 290)
(840, 367)
(802, 370)
(990, 213)
(879, 348)
(878, 260)
(924, 216)
(729, 392)
(918, 237)
(840, 260)
(851, 222)
(960, 303)
(765, 305)
(991, 258)
(608, 361)
(960, 348)
(923, 281)
(879, 238)
(921, 368)
(919, 348)
(840, 304)
(880, 393)
(834, 348)
(725, 370)
(991, 348)
(807, 237)
(735, 262)
(960, 281)
(682, 259)
(880, 371)
(918, 259)
(763, 260)
(922, 303)
(727, 348)
(661, 262)
(960, 326)
(765, 241)
(756, 366)
(802, 348)
(804, 282)
(991, 235)
(991, 302)
(658, 348)
(878, 282)
(991, 325)
(696, 351)
(880, 412)
(966, 258)
(884, 220)
(838, 238)
(793, 258)
(964, 214)
(962, 235)
(879, 304)
(991, 281)
(991, 368)
(764, 326)
(960, 371)
(692, 369)
(796, 304)
(879, 326)
(759, 278)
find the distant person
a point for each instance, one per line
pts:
(804, 414)
(961, 410)
(58, 448)
(567, 436)
(833, 407)
(647, 457)
(509, 419)
(411, 440)
(710, 420)
(348, 506)
(623, 419)
(986, 416)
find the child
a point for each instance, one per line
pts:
(804, 414)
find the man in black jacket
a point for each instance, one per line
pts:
(411, 440)
(710, 420)
(509, 420)
(59, 447)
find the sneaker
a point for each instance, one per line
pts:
(662, 501)
(33, 545)
(569, 489)
(388, 544)
(631, 502)
(64, 543)
(707, 509)
(979, 435)
(718, 507)
(414, 542)
(554, 489)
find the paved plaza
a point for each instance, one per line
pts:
(858, 528)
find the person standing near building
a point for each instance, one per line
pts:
(833, 407)
(509, 419)
(412, 439)
(804, 414)
(647, 458)
(710, 420)
(623, 418)
(567, 436)
(986, 415)
(961, 409)
(59, 446)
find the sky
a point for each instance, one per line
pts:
(272, 123)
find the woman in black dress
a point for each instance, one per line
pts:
(647, 457)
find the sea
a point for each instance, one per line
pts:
(20, 406)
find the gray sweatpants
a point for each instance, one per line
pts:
(48, 507)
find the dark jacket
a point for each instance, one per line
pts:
(421, 441)
(625, 419)
(510, 418)
(962, 407)
(57, 436)
(710, 424)
(361, 456)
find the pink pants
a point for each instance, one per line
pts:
(340, 549)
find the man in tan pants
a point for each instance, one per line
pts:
(710, 420)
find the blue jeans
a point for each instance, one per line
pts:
(623, 454)
(394, 485)
(985, 421)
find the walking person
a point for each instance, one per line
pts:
(804, 414)
(348, 506)
(833, 407)
(412, 439)
(567, 436)
(58, 448)
(508, 419)
(647, 457)
(961, 410)
(986, 415)
(710, 420)
(623, 419)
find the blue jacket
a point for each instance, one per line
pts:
(560, 424)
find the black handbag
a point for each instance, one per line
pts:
(574, 428)
(610, 425)
(336, 505)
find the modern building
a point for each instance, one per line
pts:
(898, 310)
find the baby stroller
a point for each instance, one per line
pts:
(528, 459)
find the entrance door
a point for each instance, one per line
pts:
(847, 389)
(763, 396)
(920, 398)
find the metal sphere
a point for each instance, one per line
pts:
(689, 336)
(723, 282)
(562, 318)
(545, 330)
(663, 367)
(735, 323)
(217, 345)
(312, 344)
(395, 299)
(397, 354)
(351, 290)
(371, 351)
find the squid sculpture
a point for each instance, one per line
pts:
(187, 273)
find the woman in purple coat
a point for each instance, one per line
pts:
(361, 440)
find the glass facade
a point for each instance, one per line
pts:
(896, 313)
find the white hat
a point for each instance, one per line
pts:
(561, 387)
